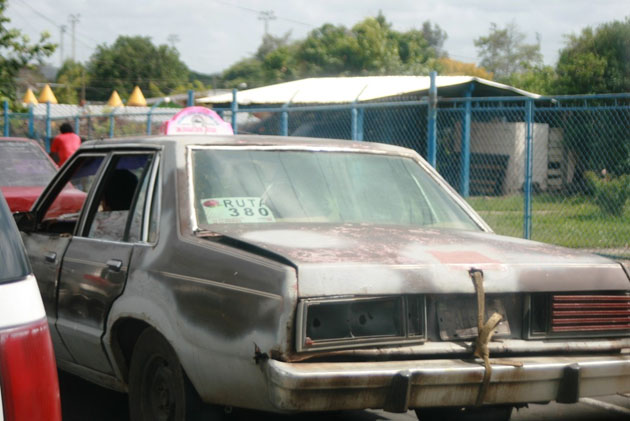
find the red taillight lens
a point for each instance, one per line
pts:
(28, 374)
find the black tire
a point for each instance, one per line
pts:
(484, 413)
(158, 387)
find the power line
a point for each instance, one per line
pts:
(259, 12)
(40, 14)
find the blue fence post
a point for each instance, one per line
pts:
(432, 122)
(77, 125)
(31, 122)
(284, 129)
(111, 123)
(149, 121)
(529, 167)
(6, 118)
(234, 110)
(191, 98)
(360, 118)
(465, 156)
(354, 121)
(48, 131)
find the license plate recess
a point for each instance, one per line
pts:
(457, 317)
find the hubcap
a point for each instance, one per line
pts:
(160, 390)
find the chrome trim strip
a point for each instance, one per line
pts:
(223, 285)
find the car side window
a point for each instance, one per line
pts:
(120, 199)
(62, 214)
(144, 214)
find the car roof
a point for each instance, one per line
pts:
(18, 139)
(244, 140)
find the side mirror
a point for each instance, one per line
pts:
(25, 221)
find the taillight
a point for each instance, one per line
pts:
(575, 315)
(28, 374)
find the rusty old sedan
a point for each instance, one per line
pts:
(291, 274)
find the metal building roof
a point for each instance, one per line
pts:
(339, 90)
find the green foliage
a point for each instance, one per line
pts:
(71, 78)
(435, 37)
(134, 61)
(450, 67)
(201, 79)
(610, 193)
(17, 52)
(539, 79)
(504, 52)
(596, 61)
(248, 72)
(371, 47)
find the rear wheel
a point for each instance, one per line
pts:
(158, 387)
(485, 413)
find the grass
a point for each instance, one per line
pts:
(571, 221)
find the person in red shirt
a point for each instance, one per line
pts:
(64, 144)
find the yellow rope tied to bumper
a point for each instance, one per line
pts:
(485, 330)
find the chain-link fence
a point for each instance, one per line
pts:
(555, 170)
(42, 121)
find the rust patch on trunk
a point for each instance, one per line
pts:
(462, 257)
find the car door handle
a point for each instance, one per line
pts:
(51, 257)
(115, 264)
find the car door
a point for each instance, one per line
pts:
(57, 214)
(95, 264)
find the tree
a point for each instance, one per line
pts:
(371, 47)
(72, 79)
(17, 52)
(504, 52)
(538, 79)
(596, 61)
(249, 72)
(435, 37)
(131, 61)
(271, 43)
(449, 67)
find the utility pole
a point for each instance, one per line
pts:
(74, 19)
(62, 30)
(173, 39)
(266, 16)
(82, 102)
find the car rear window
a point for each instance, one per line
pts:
(13, 261)
(266, 186)
(24, 164)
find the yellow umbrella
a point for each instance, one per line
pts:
(114, 100)
(136, 99)
(29, 97)
(47, 95)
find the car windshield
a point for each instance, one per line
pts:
(24, 164)
(295, 186)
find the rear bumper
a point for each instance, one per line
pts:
(399, 385)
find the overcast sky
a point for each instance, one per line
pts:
(213, 34)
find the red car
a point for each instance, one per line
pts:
(25, 169)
